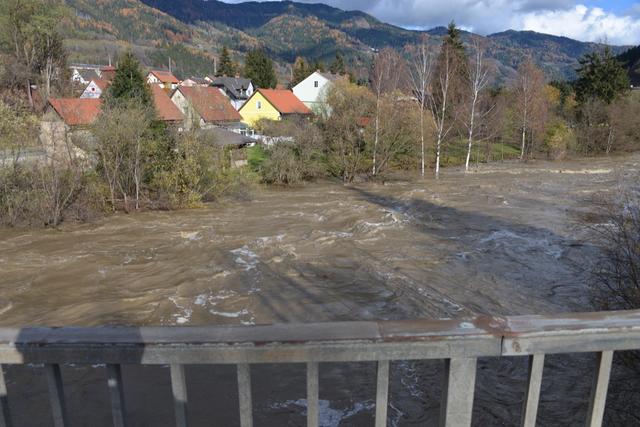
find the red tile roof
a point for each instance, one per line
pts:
(165, 76)
(102, 83)
(165, 108)
(210, 104)
(285, 101)
(77, 111)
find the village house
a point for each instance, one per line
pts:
(195, 81)
(82, 74)
(65, 126)
(272, 104)
(312, 90)
(205, 107)
(108, 72)
(95, 89)
(163, 78)
(237, 89)
(166, 110)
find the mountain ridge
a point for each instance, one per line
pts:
(316, 31)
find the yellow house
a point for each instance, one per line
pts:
(272, 104)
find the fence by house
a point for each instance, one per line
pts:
(459, 342)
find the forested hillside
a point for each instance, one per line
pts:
(192, 32)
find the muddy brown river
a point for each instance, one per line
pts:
(507, 239)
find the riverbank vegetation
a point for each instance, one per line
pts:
(429, 109)
(422, 109)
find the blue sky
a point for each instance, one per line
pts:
(616, 21)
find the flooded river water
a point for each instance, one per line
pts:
(508, 239)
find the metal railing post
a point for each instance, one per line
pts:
(460, 383)
(313, 395)
(244, 395)
(599, 389)
(532, 396)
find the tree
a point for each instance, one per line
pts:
(226, 67)
(529, 87)
(448, 85)
(129, 85)
(601, 76)
(343, 134)
(318, 66)
(259, 69)
(124, 147)
(420, 72)
(478, 80)
(389, 69)
(300, 71)
(29, 30)
(395, 130)
(337, 66)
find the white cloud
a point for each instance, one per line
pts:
(559, 17)
(584, 23)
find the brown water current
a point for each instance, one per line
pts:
(506, 239)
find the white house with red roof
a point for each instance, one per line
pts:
(95, 89)
(165, 79)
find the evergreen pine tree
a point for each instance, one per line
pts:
(338, 67)
(259, 69)
(300, 71)
(129, 85)
(453, 37)
(226, 67)
(454, 52)
(318, 66)
(601, 76)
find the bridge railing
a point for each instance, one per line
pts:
(459, 342)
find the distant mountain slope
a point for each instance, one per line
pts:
(191, 32)
(631, 60)
(557, 55)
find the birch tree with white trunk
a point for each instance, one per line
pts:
(478, 81)
(385, 79)
(529, 92)
(420, 72)
(440, 101)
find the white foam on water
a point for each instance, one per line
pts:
(246, 258)
(262, 241)
(329, 417)
(504, 237)
(191, 236)
(231, 314)
(8, 306)
(184, 314)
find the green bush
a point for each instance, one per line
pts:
(559, 140)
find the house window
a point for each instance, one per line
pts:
(315, 84)
(259, 105)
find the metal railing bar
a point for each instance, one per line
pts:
(116, 392)
(326, 342)
(244, 394)
(460, 380)
(56, 395)
(382, 393)
(532, 396)
(179, 390)
(5, 414)
(313, 395)
(599, 389)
